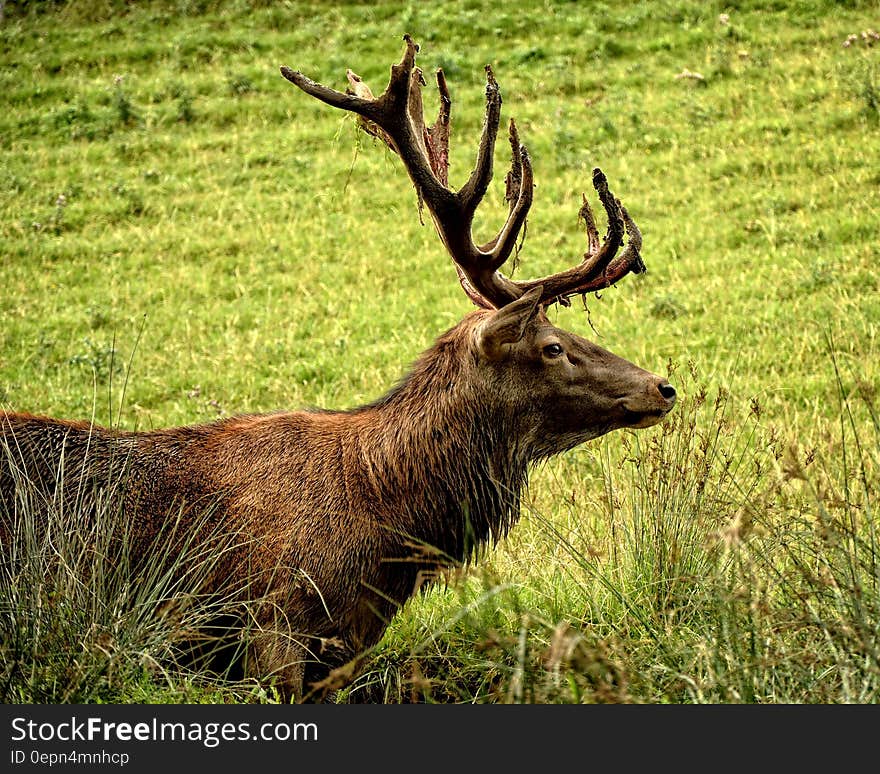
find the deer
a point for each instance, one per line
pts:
(348, 514)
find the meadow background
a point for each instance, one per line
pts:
(184, 235)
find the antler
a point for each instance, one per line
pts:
(396, 117)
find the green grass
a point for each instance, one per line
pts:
(168, 201)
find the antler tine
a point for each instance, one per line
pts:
(472, 192)
(438, 133)
(494, 253)
(396, 117)
(599, 268)
(389, 112)
(610, 271)
(586, 215)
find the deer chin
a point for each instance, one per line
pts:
(643, 418)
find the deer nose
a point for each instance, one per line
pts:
(667, 391)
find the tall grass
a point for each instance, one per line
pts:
(89, 612)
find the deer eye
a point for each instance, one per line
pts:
(553, 350)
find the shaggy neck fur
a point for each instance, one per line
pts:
(445, 452)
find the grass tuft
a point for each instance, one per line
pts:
(88, 613)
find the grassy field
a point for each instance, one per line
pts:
(184, 235)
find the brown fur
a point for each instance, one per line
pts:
(345, 514)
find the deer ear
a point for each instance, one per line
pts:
(507, 325)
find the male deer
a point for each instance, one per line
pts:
(345, 513)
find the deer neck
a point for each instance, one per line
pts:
(447, 457)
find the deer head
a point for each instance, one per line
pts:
(579, 389)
